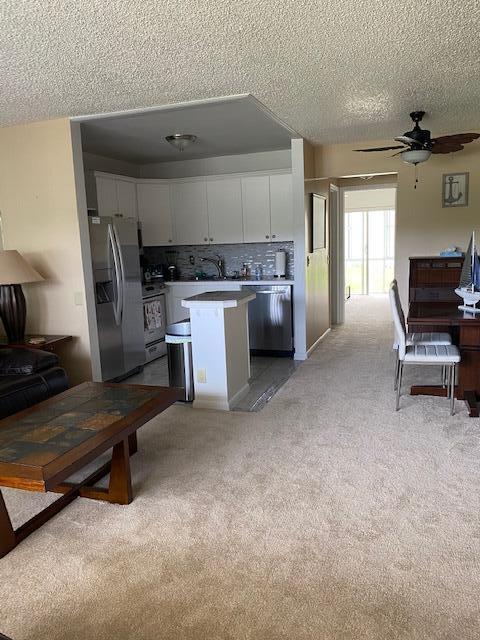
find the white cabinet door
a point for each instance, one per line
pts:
(190, 219)
(224, 201)
(155, 213)
(281, 207)
(107, 202)
(256, 208)
(127, 199)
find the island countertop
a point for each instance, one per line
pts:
(234, 281)
(219, 299)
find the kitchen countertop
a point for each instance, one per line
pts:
(224, 299)
(250, 282)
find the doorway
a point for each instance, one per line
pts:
(369, 236)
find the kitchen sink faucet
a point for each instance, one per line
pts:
(219, 263)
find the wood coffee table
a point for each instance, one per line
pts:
(41, 447)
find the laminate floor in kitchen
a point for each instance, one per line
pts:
(267, 376)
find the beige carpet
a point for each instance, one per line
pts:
(325, 516)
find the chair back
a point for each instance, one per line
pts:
(400, 311)
(398, 320)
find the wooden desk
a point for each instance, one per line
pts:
(465, 331)
(41, 447)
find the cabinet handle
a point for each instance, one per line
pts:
(211, 239)
(169, 239)
(267, 236)
(206, 239)
(274, 236)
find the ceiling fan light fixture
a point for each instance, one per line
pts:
(416, 156)
(181, 140)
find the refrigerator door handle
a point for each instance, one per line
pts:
(118, 278)
(122, 271)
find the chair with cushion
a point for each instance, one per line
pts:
(28, 376)
(416, 338)
(443, 355)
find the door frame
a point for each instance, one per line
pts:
(338, 251)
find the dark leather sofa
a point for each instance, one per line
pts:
(28, 376)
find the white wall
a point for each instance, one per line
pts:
(423, 226)
(362, 199)
(218, 165)
(39, 219)
(299, 297)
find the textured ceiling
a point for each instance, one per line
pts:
(333, 70)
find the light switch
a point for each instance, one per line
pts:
(201, 375)
(78, 298)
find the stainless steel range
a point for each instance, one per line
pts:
(154, 319)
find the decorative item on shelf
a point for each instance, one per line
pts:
(455, 190)
(14, 271)
(37, 340)
(451, 252)
(469, 286)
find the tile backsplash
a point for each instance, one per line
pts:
(233, 254)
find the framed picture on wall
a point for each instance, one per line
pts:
(455, 190)
(319, 222)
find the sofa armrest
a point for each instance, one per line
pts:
(24, 361)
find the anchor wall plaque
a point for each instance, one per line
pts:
(455, 190)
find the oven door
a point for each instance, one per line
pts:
(154, 318)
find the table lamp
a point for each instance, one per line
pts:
(14, 271)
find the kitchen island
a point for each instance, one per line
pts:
(178, 290)
(220, 347)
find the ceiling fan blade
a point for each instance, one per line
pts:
(457, 138)
(407, 140)
(399, 152)
(446, 148)
(380, 149)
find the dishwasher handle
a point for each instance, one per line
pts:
(269, 292)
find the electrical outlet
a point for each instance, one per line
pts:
(201, 375)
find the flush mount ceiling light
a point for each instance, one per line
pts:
(181, 140)
(415, 156)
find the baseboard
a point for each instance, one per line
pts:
(239, 395)
(317, 342)
(300, 355)
(221, 404)
(210, 403)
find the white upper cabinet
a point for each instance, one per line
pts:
(107, 202)
(202, 210)
(224, 202)
(281, 207)
(190, 217)
(116, 196)
(256, 208)
(127, 198)
(155, 212)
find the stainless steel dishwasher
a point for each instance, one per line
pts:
(270, 319)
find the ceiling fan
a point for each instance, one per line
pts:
(417, 145)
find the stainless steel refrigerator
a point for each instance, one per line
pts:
(118, 295)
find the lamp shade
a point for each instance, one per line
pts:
(14, 269)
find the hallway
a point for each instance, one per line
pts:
(325, 516)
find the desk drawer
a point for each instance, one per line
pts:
(470, 335)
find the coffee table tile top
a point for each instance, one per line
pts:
(42, 435)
